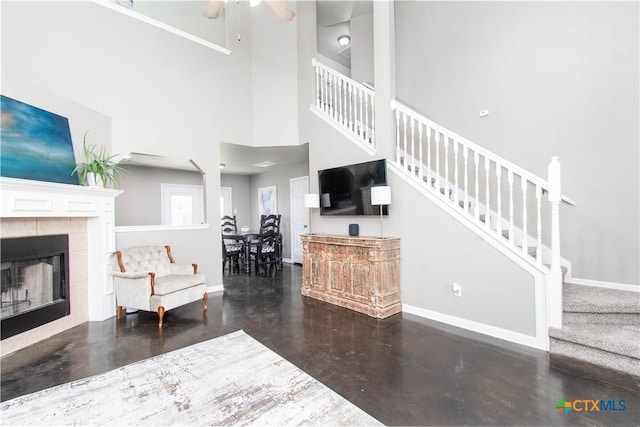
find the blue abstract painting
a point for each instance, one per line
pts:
(35, 144)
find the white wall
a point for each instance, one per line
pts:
(332, 64)
(164, 94)
(559, 79)
(141, 200)
(362, 49)
(240, 193)
(435, 249)
(274, 78)
(279, 177)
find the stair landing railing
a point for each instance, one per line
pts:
(348, 104)
(501, 198)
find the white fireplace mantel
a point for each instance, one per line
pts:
(34, 199)
(26, 198)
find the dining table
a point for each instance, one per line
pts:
(246, 237)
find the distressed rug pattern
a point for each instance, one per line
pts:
(228, 380)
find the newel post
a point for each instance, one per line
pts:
(554, 284)
(314, 64)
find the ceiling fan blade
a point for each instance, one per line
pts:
(281, 9)
(213, 9)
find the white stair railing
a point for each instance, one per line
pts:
(348, 104)
(501, 198)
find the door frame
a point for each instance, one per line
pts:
(305, 215)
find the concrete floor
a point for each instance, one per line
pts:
(403, 370)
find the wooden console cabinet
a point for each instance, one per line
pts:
(359, 273)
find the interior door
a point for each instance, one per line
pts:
(299, 215)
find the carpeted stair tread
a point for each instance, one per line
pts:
(596, 356)
(590, 299)
(621, 339)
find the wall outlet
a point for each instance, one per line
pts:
(457, 289)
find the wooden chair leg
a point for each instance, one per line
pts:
(204, 301)
(119, 312)
(160, 316)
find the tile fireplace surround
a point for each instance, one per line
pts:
(86, 214)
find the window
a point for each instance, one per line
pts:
(182, 204)
(225, 201)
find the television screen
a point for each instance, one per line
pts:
(346, 190)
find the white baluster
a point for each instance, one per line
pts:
(429, 130)
(465, 155)
(365, 133)
(413, 145)
(404, 130)
(499, 200)
(335, 97)
(456, 197)
(398, 158)
(524, 183)
(351, 113)
(341, 101)
(373, 122)
(555, 276)
(420, 170)
(487, 196)
(323, 88)
(437, 160)
(360, 111)
(511, 224)
(318, 80)
(539, 223)
(476, 165)
(446, 167)
(329, 91)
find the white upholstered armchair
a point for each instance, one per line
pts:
(147, 278)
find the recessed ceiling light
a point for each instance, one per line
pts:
(222, 166)
(344, 40)
(125, 3)
(264, 164)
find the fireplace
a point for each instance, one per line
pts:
(34, 275)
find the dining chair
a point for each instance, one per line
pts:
(231, 253)
(268, 248)
(231, 249)
(229, 224)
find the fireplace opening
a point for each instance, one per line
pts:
(34, 274)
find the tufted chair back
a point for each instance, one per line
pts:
(144, 258)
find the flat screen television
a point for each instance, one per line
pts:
(346, 190)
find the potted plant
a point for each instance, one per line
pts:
(99, 168)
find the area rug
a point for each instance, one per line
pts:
(230, 380)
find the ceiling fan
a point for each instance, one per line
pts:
(279, 7)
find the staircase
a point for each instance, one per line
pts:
(512, 209)
(601, 326)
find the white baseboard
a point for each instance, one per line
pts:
(215, 288)
(492, 331)
(602, 284)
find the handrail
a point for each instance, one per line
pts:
(396, 105)
(499, 197)
(345, 104)
(360, 86)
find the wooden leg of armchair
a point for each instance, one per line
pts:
(160, 316)
(119, 312)
(204, 301)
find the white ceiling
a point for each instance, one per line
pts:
(239, 159)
